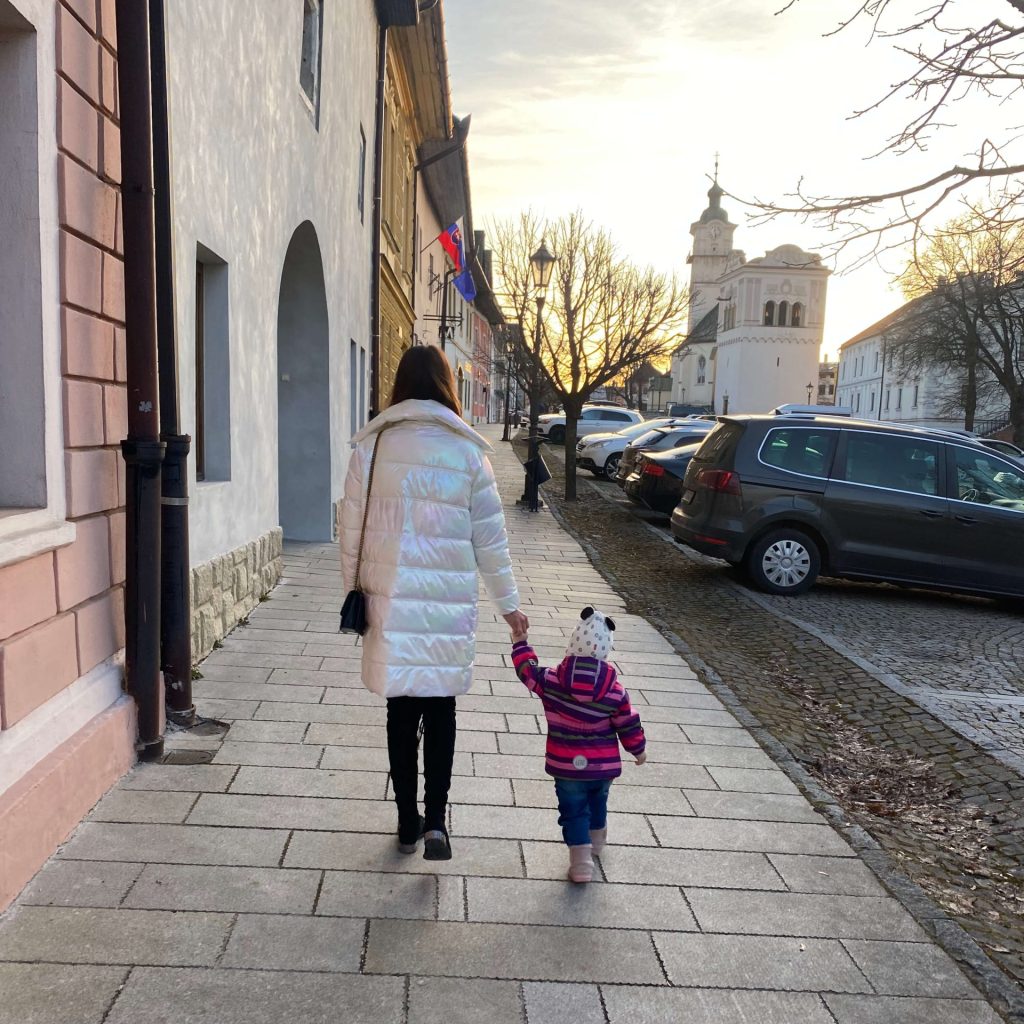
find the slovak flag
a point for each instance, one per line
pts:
(451, 242)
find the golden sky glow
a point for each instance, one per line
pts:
(618, 108)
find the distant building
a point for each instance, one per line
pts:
(827, 383)
(658, 394)
(872, 383)
(754, 328)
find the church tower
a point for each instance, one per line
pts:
(712, 247)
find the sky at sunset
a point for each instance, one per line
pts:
(618, 109)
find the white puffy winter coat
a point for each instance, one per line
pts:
(435, 520)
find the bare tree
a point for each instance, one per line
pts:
(968, 317)
(604, 316)
(954, 55)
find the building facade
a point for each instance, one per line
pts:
(827, 372)
(755, 326)
(67, 731)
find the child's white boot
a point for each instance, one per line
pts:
(581, 864)
(598, 837)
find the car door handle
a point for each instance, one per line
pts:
(966, 520)
(931, 513)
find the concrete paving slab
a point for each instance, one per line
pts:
(277, 755)
(256, 997)
(789, 913)
(451, 898)
(718, 756)
(344, 851)
(752, 806)
(365, 894)
(80, 883)
(515, 901)
(226, 710)
(267, 732)
(760, 836)
(175, 844)
(745, 780)
(80, 935)
(526, 952)
(287, 812)
(310, 782)
(846, 876)
(180, 778)
(143, 806)
(894, 1010)
(464, 1001)
(910, 969)
(224, 889)
(759, 962)
(262, 692)
(552, 1002)
(651, 866)
(714, 736)
(629, 1005)
(57, 993)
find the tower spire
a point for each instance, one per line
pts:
(716, 166)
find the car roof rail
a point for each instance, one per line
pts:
(796, 409)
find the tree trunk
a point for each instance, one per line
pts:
(570, 455)
(1017, 415)
(971, 385)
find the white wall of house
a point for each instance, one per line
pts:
(252, 161)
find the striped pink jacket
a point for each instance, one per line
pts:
(588, 714)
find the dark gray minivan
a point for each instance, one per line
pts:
(791, 497)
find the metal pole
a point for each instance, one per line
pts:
(506, 432)
(532, 490)
(143, 451)
(175, 607)
(444, 311)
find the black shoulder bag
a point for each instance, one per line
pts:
(353, 611)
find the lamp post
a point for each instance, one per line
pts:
(541, 264)
(810, 388)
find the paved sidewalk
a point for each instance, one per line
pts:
(265, 886)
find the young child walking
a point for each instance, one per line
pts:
(588, 714)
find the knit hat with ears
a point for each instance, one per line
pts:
(592, 637)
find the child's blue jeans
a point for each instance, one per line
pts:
(582, 806)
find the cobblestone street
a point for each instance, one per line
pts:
(803, 681)
(265, 884)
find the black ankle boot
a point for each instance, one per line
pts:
(409, 834)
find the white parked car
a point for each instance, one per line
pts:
(594, 419)
(600, 453)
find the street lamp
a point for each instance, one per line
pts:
(541, 264)
(810, 388)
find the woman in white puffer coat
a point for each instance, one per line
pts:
(434, 521)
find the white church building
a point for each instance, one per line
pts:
(755, 326)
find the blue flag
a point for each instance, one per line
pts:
(464, 282)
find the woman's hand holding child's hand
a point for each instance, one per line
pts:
(516, 637)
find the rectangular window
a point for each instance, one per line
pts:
(362, 387)
(899, 398)
(212, 440)
(353, 389)
(844, 371)
(888, 395)
(872, 401)
(857, 409)
(916, 391)
(361, 194)
(895, 463)
(312, 37)
(876, 362)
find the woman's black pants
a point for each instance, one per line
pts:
(438, 715)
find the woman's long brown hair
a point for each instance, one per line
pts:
(424, 374)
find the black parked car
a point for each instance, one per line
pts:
(789, 497)
(657, 482)
(660, 440)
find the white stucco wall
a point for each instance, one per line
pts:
(249, 166)
(759, 372)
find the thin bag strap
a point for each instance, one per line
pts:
(366, 507)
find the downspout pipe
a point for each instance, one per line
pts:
(143, 450)
(377, 219)
(175, 610)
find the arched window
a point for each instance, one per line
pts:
(798, 314)
(783, 313)
(769, 313)
(702, 370)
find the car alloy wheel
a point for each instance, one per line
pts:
(611, 466)
(785, 561)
